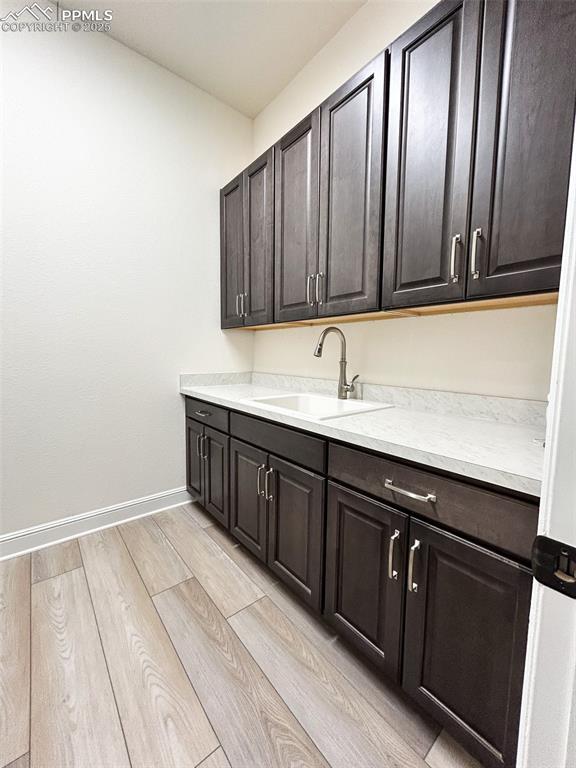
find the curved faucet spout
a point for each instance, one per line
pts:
(343, 387)
(325, 332)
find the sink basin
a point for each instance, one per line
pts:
(317, 407)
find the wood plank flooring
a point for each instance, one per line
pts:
(163, 642)
(52, 561)
(67, 657)
(14, 658)
(160, 566)
(163, 720)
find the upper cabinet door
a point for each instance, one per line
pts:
(351, 126)
(525, 124)
(259, 240)
(231, 253)
(296, 220)
(430, 130)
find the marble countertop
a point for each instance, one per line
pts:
(503, 454)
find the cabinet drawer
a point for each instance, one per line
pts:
(305, 450)
(211, 415)
(497, 520)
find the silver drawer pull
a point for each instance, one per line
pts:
(268, 495)
(392, 574)
(456, 240)
(412, 585)
(203, 413)
(238, 305)
(416, 496)
(259, 490)
(204, 441)
(476, 235)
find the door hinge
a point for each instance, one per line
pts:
(554, 565)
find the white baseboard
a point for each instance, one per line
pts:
(28, 539)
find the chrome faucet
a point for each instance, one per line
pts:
(343, 387)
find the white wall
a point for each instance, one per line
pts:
(110, 239)
(504, 353)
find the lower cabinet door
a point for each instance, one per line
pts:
(215, 454)
(296, 528)
(248, 518)
(365, 559)
(465, 640)
(194, 464)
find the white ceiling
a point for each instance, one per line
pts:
(244, 52)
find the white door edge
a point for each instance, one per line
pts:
(547, 736)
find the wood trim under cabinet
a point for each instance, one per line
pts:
(479, 305)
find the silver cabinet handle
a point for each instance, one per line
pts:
(430, 497)
(476, 235)
(392, 574)
(412, 585)
(238, 305)
(456, 240)
(198, 451)
(243, 296)
(319, 276)
(204, 455)
(268, 495)
(309, 299)
(203, 413)
(259, 490)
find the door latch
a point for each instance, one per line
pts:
(554, 565)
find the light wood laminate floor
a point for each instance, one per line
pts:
(163, 642)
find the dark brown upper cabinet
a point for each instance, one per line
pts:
(247, 245)
(351, 151)
(365, 549)
(525, 128)
(296, 220)
(231, 253)
(465, 640)
(431, 113)
(258, 180)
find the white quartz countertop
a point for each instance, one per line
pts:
(505, 455)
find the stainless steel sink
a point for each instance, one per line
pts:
(317, 407)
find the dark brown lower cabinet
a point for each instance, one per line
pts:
(207, 468)
(248, 511)
(296, 528)
(194, 466)
(215, 456)
(277, 512)
(465, 640)
(365, 548)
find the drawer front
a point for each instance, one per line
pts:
(302, 449)
(206, 413)
(497, 520)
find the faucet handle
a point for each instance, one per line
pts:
(350, 387)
